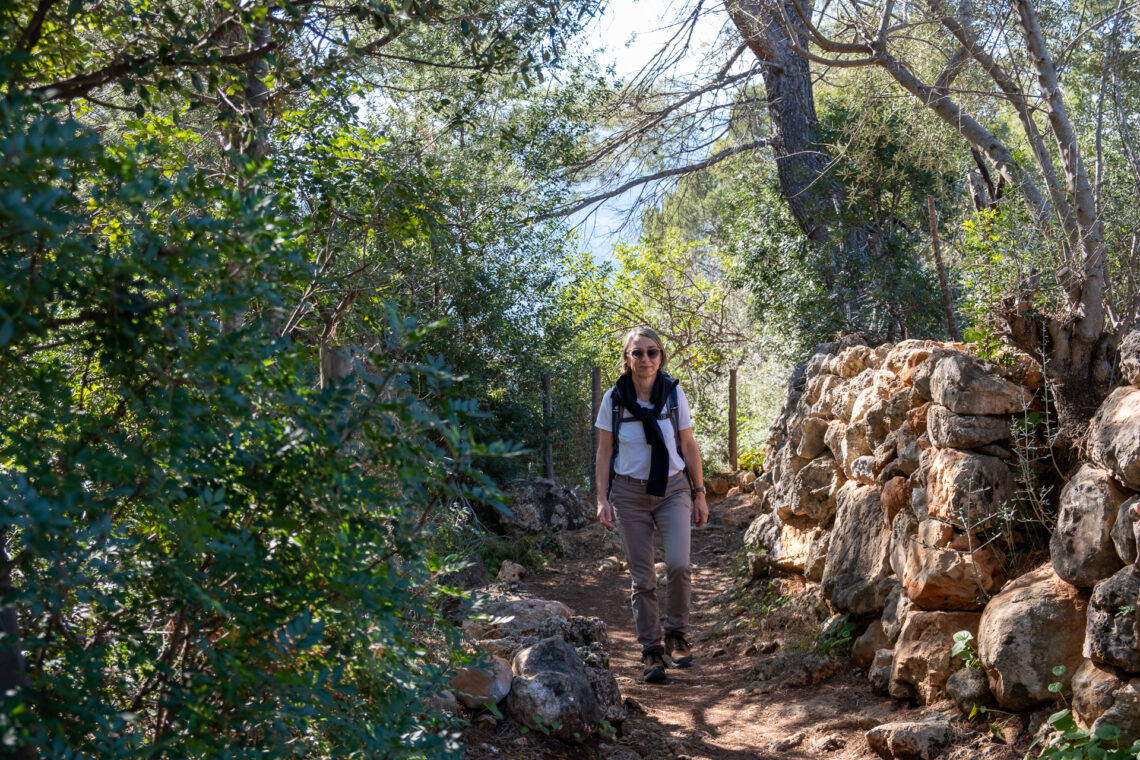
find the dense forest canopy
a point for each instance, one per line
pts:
(282, 280)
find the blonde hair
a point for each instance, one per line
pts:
(627, 346)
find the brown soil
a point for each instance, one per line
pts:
(707, 712)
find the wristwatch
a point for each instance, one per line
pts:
(699, 489)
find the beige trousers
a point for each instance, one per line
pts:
(636, 516)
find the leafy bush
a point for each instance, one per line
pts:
(208, 554)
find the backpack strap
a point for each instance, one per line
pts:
(615, 423)
(675, 418)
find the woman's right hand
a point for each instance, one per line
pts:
(605, 513)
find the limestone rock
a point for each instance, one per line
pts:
(1114, 436)
(846, 443)
(919, 375)
(816, 559)
(909, 740)
(944, 579)
(916, 418)
(510, 572)
(540, 505)
(1081, 546)
(966, 488)
(895, 611)
(969, 687)
(922, 654)
(1034, 624)
(810, 492)
(863, 470)
(857, 557)
(481, 687)
(1093, 687)
(963, 431)
(575, 630)
(607, 694)
(1129, 353)
(895, 497)
(850, 362)
(1125, 530)
(822, 407)
(967, 385)
(717, 484)
(844, 396)
(879, 676)
(1111, 636)
(907, 353)
(811, 442)
(506, 616)
(904, 530)
(1124, 713)
(552, 692)
(870, 641)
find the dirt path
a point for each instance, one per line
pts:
(718, 710)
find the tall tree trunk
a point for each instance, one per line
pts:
(816, 200)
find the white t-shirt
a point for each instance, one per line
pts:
(634, 452)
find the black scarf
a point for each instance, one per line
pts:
(659, 461)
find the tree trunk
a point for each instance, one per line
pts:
(816, 200)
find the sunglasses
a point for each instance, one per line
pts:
(652, 353)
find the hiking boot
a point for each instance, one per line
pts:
(654, 660)
(679, 649)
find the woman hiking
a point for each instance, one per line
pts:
(649, 478)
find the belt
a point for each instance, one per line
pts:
(643, 481)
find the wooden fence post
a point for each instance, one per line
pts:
(547, 420)
(595, 404)
(733, 458)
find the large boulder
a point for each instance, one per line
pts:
(857, 558)
(966, 488)
(922, 653)
(551, 691)
(1114, 436)
(810, 492)
(1129, 353)
(963, 431)
(1111, 635)
(967, 385)
(1081, 546)
(1033, 625)
(538, 506)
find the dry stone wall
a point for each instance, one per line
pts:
(889, 468)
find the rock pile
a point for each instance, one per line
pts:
(886, 471)
(549, 669)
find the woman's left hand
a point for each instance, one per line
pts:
(700, 510)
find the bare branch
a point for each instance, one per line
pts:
(664, 174)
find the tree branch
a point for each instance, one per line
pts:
(688, 169)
